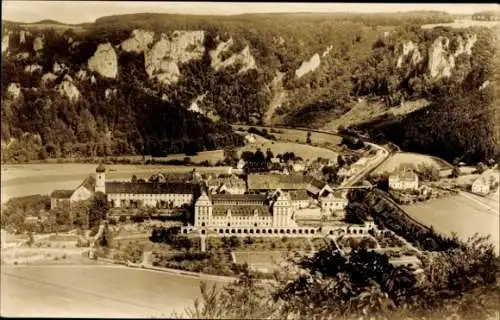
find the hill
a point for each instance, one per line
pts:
(294, 69)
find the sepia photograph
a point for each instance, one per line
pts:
(250, 160)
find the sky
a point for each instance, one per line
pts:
(89, 11)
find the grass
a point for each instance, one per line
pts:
(413, 158)
(463, 214)
(365, 110)
(301, 150)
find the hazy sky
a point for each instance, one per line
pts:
(88, 11)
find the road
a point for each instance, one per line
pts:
(373, 165)
(94, 291)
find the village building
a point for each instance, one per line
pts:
(481, 185)
(261, 183)
(231, 185)
(404, 180)
(64, 198)
(334, 204)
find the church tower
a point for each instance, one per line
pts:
(100, 179)
(203, 211)
(282, 211)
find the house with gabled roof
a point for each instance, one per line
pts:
(83, 192)
(404, 180)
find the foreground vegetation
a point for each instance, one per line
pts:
(462, 283)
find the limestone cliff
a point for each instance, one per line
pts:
(162, 61)
(308, 66)
(138, 42)
(104, 61)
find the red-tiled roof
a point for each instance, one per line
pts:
(152, 188)
(61, 194)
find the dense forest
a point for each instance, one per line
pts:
(357, 58)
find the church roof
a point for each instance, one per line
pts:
(238, 197)
(297, 195)
(89, 183)
(151, 187)
(61, 194)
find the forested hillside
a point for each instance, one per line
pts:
(158, 84)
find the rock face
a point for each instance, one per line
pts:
(441, 60)
(109, 93)
(5, 43)
(327, 51)
(14, 90)
(194, 107)
(38, 43)
(162, 61)
(409, 47)
(81, 75)
(104, 61)
(139, 41)
(48, 77)
(68, 89)
(22, 36)
(22, 55)
(33, 68)
(244, 57)
(308, 66)
(59, 68)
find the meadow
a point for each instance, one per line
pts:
(26, 179)
(464, 214)
(410, 158)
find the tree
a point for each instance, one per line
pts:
(308, 139)
(134, 178)
(259, 156)
(455, 172)
(269, 154)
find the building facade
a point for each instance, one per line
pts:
(406, 180)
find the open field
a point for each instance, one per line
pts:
(295, 135)
(25, 179)
(364, 110)
(264, 261)
(413, 158)
(213, 156)
(94, 291)
(464, 214)
(301, 150)
(463, 24)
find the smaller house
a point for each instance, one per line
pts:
(299, 198)
(481, 186)
(405, 180)
(334, 202)
(65, 197)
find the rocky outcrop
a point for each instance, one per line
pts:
(409, 47)
(48, 77)
(5, 43)
(22, 55)
(104, 61)
(308, 66)
(14, 90)
(139, 41)
(81, 75)
(38, 43)
(59, 68)
(441, 60)
(244, 57)
(33, 68)
(109, 93)
(327, 51)
(194, 106)
(22, 36)
(67, 89)
(162, 61)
